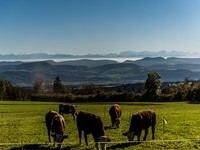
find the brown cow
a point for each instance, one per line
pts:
(115, 115)
(67, 109)
(55, 124)
(91, 124)
(141, 121)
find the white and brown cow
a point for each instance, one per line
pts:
(141, 121)
(91, 124)
(67, 109)
(115, 115)
(55, 124)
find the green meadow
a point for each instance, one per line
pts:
(22, 126)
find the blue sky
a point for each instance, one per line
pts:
(98, 26)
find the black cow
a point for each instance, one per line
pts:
(141, 121)
(91, 124)
(55, 124)
(115, 115)
(67, 109)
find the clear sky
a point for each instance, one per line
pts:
(98, 26)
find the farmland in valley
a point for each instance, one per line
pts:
(22, 125)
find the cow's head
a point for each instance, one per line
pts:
(103, 141)
(58, 138)
(129, 135)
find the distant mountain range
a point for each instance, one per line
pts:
(123, 54)
(86, 71)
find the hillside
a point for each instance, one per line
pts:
(100, 71)
(84, 62)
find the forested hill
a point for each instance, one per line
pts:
(100, 71)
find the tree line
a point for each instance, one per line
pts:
(152, 90)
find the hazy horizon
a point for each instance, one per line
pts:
(99, 26)
(127, 53)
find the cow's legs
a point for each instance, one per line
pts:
(49, 136)
(153, 132)
(59, 145)
(97, 146)
(80, 135)
(138, 135)
(96, 142)
(112, 121)
(85, 136)
(145, 135)
(73, 115)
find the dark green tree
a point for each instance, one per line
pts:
(3, 85)
(10, 92)
(152, 86)
(57, 86)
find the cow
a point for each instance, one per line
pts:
(141, 120)
(91, 124)
(55, 124)
(115, 115)
(67, 109)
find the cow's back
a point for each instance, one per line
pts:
(67, 109)
(115, 111)
(58, 124)
(89, 123)
(64, 108)
(143, 120)
(149, 118)
(48, 118)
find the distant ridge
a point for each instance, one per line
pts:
(123, 54)
(85, 62)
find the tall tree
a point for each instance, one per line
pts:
(152, 85)
(57, 86)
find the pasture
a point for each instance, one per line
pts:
(22, 126)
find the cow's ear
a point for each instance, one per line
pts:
(125, 134)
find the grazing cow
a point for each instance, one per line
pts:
(55, 124)
(115, 115)
(67, 109)
(91, 124)
(141, 121)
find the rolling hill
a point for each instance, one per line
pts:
(100, 71)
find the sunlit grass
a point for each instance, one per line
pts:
(23, 122)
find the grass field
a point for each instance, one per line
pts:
(22, 126)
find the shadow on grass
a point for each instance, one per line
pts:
(71, 147)
(110, 128)
(140, 103)
(32, 147)
(121, 145)
(43, 147)
(193, 102)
